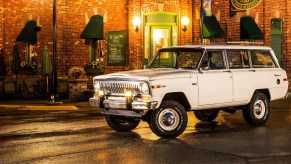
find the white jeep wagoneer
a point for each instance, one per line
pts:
(204, 79)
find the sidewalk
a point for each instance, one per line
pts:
(43, 105)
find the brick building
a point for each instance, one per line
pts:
(158, 17)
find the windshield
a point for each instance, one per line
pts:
(177, 58)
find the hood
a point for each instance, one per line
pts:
(149, 74)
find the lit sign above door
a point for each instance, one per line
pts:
(244, 4)
(241, 5)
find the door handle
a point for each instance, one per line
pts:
(252, 70)
(277, 75)
(227, 71)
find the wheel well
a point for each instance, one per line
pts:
(265, 92)
(179, 97)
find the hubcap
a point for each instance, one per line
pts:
(169, 119)
(259, 109)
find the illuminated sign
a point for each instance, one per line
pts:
(244, 4)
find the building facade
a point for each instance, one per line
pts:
(145, 26)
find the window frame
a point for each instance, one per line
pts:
(261, 50)
(245, 50)
(205, 53)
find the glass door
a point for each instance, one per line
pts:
(160, 38)
(160, 30)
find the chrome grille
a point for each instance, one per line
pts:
(119, 86)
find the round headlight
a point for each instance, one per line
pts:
(97, 86)
(144, 88)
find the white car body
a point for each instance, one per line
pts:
(205, 89)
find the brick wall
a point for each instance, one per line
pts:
(138, 8)
(73, 15)
(1, 24)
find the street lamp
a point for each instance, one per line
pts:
(54, 96)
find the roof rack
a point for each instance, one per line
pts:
(212, 43)
(245, 43)
(231, 43)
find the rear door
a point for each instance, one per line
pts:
(214, 83)
(244, 77)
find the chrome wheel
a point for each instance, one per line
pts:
(169, 119)
(259, 109)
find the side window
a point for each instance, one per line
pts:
(214, 59)
(238, 59)
(185, 60)
(189, 59)
(262, 59)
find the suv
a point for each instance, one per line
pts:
(204, 79)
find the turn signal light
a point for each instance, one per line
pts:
(156, 86)
(99, 94)
(128, 93)
(146, 98)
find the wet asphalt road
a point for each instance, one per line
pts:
(83, 137)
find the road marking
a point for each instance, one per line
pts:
(47, 107)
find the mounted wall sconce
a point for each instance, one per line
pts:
(184, 22)
(136, 22)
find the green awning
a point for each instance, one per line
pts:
(211, 27)
(28, 33)
(94, 29)
(249, 29)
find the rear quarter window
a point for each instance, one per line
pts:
(262, 59)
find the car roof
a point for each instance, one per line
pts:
(219, 47)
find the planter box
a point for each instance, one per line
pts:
(94, 71)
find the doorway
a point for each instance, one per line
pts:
(276, 38)
(160, 38)
(160, 31)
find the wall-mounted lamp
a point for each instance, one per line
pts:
(136, 22)
(184, 22)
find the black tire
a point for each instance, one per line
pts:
(170, 120)
(258, 110)
(121, 124)
(206, 115)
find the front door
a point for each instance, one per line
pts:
(215, 83)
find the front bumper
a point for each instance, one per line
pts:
(287, 95)
(122, 103)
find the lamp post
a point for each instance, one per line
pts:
(201, 22)
(54, 83)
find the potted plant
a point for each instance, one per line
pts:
(95, 67)
(76, 72)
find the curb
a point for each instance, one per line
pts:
(47, 108)
(37, 107)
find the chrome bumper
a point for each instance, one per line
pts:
(287, 95)
(127, 113)
(95, 102)
(122, 103)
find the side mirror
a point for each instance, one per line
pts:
(145, 66)
(204, 66)
(200, 70)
